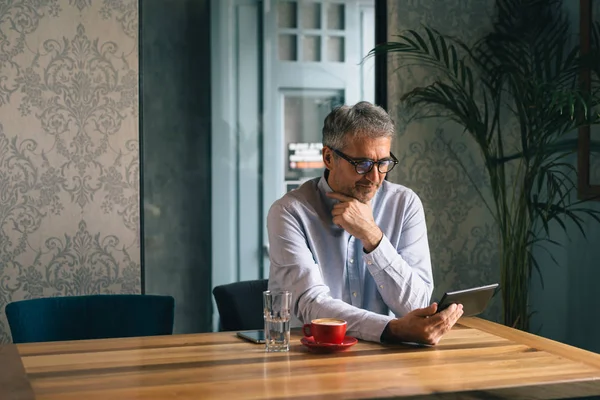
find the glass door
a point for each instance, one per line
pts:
(278, 68)
(303, 115)
(313, 52)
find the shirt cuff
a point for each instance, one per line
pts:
(373, 327)
(380, 258)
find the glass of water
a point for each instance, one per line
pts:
(277, 310)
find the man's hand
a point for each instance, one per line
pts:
(356, 218)
(423, 325)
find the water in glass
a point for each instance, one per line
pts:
(277, 333)
(277, 307)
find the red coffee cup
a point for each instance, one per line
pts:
(326, 330)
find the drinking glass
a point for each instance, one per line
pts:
(277, 311)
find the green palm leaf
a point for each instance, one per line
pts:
(526, 69)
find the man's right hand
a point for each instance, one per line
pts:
(423, 325)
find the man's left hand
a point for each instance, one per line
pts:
(356, 218)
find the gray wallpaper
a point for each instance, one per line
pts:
(462, 237)
(69, 170)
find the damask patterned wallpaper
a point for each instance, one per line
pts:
(461, 233)
(69, 169)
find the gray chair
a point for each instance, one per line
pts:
(240, 305)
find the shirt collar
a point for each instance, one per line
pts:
(325, 188)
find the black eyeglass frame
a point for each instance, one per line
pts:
(356, 163)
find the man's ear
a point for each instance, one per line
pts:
(327, 157)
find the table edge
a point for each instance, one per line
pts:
(541, 343)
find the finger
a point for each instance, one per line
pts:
(456, 312)
(452, 318)
(443, 317)
(449, 323)
(338, 221)
(338, 211)
(342, 206)
(425, 312)
(459, 312)
(442, 322)
(451, 309)
(339, 196)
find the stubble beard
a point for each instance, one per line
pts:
(362, 193)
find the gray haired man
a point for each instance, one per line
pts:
(352, 245)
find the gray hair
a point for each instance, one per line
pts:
(362, 120)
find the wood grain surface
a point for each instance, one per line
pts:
(14, 384)
(477, 359)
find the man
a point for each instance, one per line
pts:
(351, 245)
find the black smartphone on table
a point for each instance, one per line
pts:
(257, 336)
(474, 300)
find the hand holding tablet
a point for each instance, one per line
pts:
(474, 300)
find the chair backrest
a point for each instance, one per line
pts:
(240, 305)
(90, 317)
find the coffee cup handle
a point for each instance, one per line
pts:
(306, 330)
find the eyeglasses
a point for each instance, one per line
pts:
(365, 165)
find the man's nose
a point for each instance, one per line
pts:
(374, 175)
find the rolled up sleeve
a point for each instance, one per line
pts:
(403, 274)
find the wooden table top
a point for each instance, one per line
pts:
(477, 359)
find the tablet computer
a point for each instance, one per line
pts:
(474, 300)
(257, 336)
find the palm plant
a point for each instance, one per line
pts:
(526, 69)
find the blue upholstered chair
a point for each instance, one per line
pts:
(240, 305)
(90, 317)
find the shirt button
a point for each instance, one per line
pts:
(351, 260)
(354, 294)
(380, 286)
(370, 262)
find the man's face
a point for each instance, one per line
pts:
(343, 177)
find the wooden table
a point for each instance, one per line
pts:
(477, 359)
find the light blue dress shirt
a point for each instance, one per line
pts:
(327, 270)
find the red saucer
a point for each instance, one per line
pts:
(309, 342)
